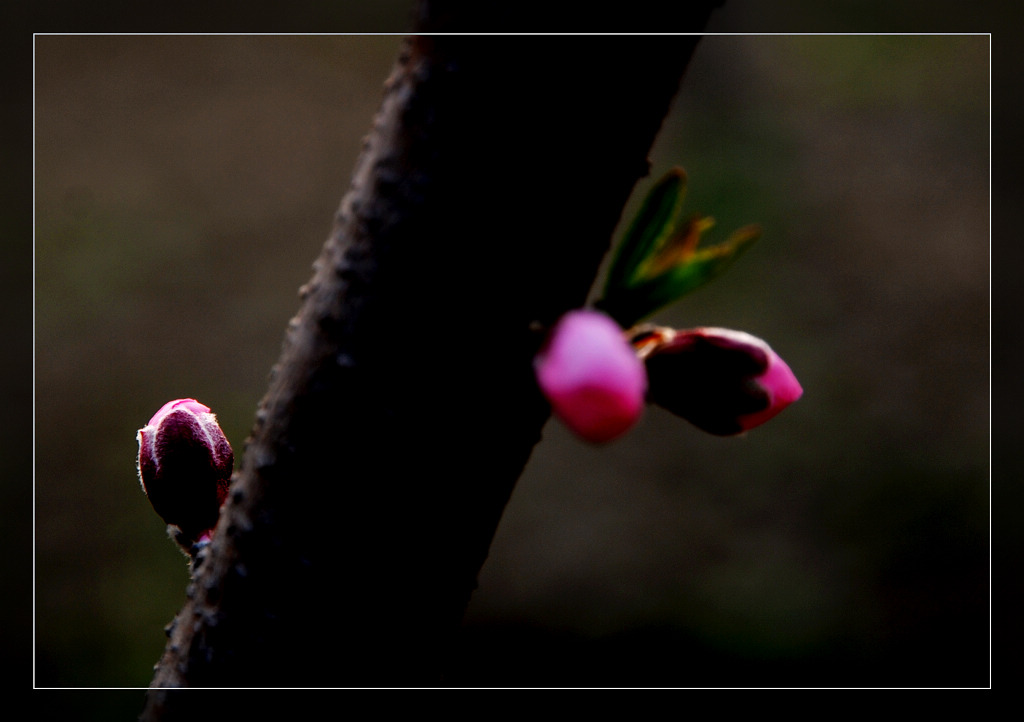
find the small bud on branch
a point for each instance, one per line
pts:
(184, 465)
(722, 381)
(591, 376)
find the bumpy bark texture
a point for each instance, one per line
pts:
(403, 407)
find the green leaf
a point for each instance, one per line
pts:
(632, 303)
(652, 226)
(704, 265)
(675, 250)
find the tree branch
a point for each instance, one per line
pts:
(403, 407)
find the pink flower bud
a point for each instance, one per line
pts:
(185, 464)
(724, 382)
(591, 376)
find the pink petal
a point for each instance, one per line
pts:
(190, 404)
(591, 376)
(782, 387)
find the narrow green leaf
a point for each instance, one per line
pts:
(704, 265)
(653, 224)
(634, 303)
(674, 250)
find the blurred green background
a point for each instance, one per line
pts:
(185, 184)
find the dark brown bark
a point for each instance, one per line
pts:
(403, 407)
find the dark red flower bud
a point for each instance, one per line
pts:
(722, 381)
(185, 464)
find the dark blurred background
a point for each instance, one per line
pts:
(184, 185)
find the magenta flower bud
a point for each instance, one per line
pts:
(722, 381)
(591, 376)
(185, 464)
